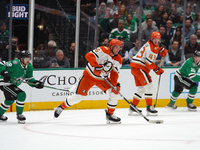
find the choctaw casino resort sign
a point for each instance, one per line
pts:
(19, 11)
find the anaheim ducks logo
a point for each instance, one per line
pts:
(155, 48)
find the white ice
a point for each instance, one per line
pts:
(87, 130)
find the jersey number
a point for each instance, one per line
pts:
(142, 52)
(152, 57)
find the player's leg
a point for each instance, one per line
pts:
(148, 97)
(178, 89)
(21, 97)
(141, 78)
(81, 90)
(4, 107)
(112, 102)
(191, 96)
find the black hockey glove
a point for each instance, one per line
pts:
(38, 84)
(5, 75)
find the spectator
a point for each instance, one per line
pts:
(132, 7)
(39, 57)
(148, 8)
(191, 46)
(102, 9)
(112, 6)
(60, 61)
(133, 51)
(189, 30)
(157, 14)
(146, 32)
(198, 36)
(194, 6)
(14, 50)
(144, 23)
(71, 54)
(104, 24)
(179, 6)
(173, 14)
(179, 22)
(137, 16)
(122, 12)
(88, 8)
(189, 14)
(163, 20)
(105, 42)
(114, 22)
(169, 29)
(175, 55)
(130, 24)
(178, 37)
(52, 46)
(4, 35)
(165, 40)
(196, 23)
(120, 32)
(124, 53)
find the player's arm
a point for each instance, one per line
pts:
(31, 80)
(4, 72)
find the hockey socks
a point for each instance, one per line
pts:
(5, 105)
(191, 94)
(174, 97)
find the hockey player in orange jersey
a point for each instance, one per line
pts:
(141, 64)
(103, 62)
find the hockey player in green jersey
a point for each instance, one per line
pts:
(185, 77)
(12, 75)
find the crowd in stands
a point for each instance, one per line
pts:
(120, 19)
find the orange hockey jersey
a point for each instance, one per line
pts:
(97, 57)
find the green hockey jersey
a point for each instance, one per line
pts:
(17, 72)
(189, 69)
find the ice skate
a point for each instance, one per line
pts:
(112, 118)
(132, 111)
(171, 106)
(151, 111)
(3, 118)
(191, 107)
(21, 118)
(57, 111)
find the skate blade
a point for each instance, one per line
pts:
(151, 114)
(112, 122)
(170, 107)
(21, 121)
(192, 110)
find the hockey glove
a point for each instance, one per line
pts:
(38, 84)
(98, 69)
(5, 75)
(163, 52)
(158, 70)
(116, 91)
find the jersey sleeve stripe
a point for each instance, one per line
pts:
(148, 61)
(95, 54)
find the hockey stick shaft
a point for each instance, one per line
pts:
(157, 91)
(44, 86)
(150, 121)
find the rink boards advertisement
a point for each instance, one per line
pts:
(48, 98)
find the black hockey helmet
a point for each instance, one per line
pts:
(197, 53)
(24, 54)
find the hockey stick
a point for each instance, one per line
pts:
(150, 121)
(44, 86)
(157, 91)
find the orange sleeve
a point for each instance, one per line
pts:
(91, 59)
(152, 66)
(114, 77)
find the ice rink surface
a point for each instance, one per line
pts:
(87, 130)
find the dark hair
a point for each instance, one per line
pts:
(2, 23)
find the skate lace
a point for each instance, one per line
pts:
(151, 108)
(3, 117)
(114, 117)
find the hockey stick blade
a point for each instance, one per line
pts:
(156, 121)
